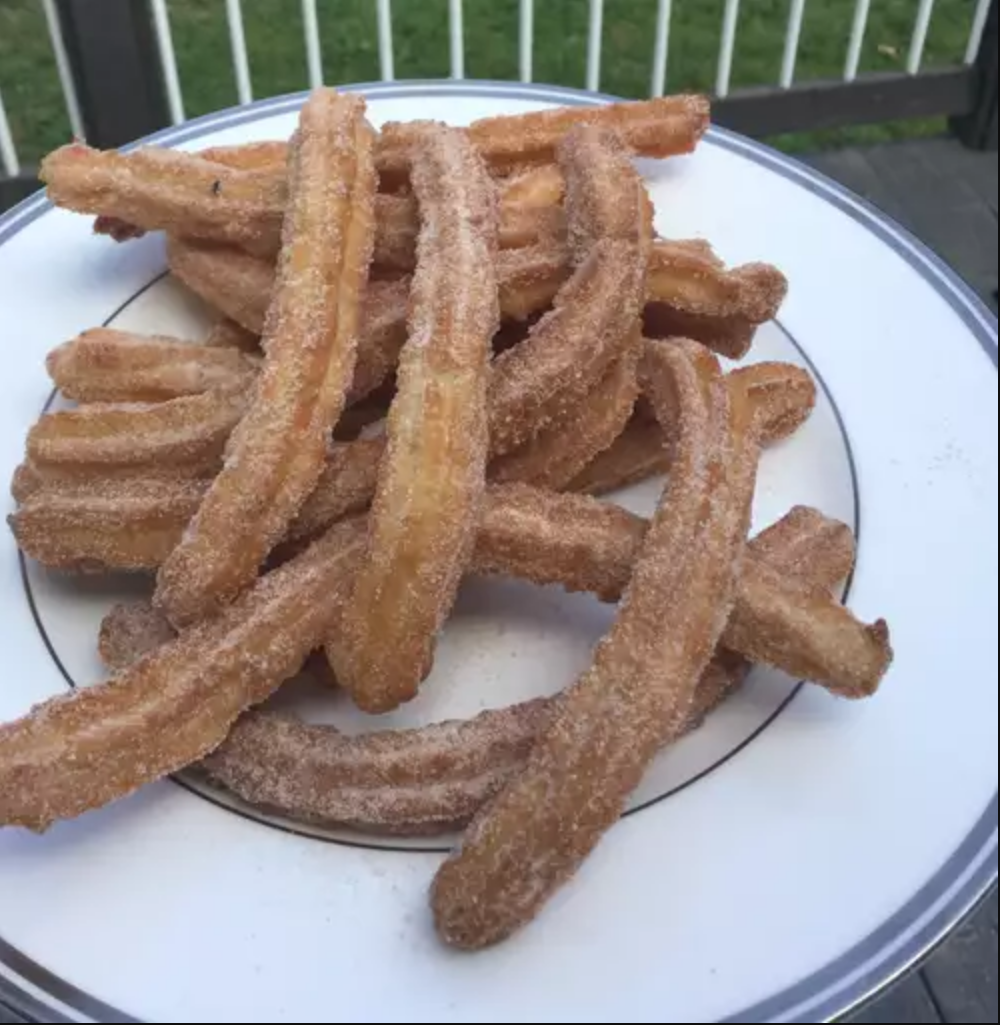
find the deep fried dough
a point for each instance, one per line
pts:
(105, 365)
(277, 454)
(433, 474)
(81, 751)
(531, 839)
(434, 779)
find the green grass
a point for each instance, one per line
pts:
(274, 32)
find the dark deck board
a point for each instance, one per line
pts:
(942, 192)
(963, 976)
(910, 1001)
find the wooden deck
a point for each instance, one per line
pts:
(948, 197)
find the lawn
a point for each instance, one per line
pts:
(274, 32)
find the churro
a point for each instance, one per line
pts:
(156, 188)
(433, 473)
(184, 436)
(571, 541)
(92, 181)
(240, 286)
(130, 524)
(595, 313)
(277, 454)
(784, 394)
(81, 751)
(532, 838)
(105, 365)
(48, 504)
(227, 334)
(666, 127)
(434, 779)
(561, 451)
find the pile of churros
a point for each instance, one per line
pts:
(438, 352)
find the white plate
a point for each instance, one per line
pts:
(781, 865)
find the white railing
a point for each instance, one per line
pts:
(978, 28)
(8, 155)
(665, 37)
(168, 60)
(241, 58)
(856, 46)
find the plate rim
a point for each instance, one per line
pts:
(967, 877)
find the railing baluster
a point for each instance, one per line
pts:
(527, 39)
(457, 25)
(920, 31)
(730, 24)
(595, 45)
(859, 33)
(385, 52)
(8, 154)
(793, 40)
(63, 67)
(978, 31)
(168, 60)
(314, 52)
(662, 53)
(238, 42)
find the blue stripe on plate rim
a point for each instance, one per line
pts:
(968, 876)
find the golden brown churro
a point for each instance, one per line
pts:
(667, 127)
(594, 316)
(610, 723)
(558, 453)
(570, 541)
(81, 751)
(155, 188)
(227, 334)
(105, 365)
(240, 286)
(434, 779)
(433, 474)
(62, 526)
(637, 454)
(310, 340)
(184, 436)
(105, 524)
(784, 394)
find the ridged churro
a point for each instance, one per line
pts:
(666, 127)
(105, 365)
(277, 454)
(784, 394)
(571, 541)
(227, 334)
(240, 286)
(594, 315)
(156, 188)
(528, 211)
(83, 750)
(105, 505)
(184, 436)
(105, 524)
(532, 838)
(434, 779)
(559, 452)
(433, 473)
(637, 454)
